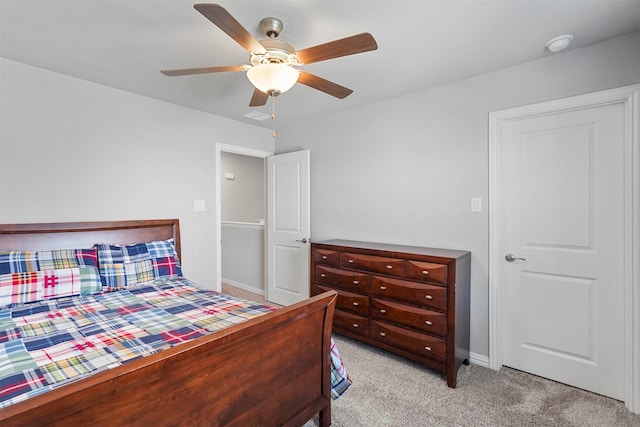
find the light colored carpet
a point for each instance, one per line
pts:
(390, 391)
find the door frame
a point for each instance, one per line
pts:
(629, 96)
(236, 149)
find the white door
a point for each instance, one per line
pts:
(563, 214)
(288, 227)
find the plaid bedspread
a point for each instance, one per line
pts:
(50, 343)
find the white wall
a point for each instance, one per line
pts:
(404, 170)
(72, 150)
(242, 198)
(243, 257)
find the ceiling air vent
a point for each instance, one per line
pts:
(256, 115)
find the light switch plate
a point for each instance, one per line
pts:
(199, 206)
(476, 204)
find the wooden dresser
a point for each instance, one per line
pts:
(409, 300)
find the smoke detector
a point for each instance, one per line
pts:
(559, 43)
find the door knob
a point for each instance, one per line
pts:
(303, 240)
(512, 257)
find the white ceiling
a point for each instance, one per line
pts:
(125, 43)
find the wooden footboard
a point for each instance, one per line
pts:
(269, 371)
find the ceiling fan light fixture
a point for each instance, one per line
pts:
(273, 79)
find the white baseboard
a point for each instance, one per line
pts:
(479, 359)
(243, 286)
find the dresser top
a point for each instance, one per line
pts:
(444, 253)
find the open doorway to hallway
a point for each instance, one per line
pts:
(242, 199)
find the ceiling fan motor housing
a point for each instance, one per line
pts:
(278, 52)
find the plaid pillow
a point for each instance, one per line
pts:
(122, 266)
(28, 261)
(32, 286)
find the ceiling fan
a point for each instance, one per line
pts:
(272, 61)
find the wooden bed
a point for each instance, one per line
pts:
(268, 371)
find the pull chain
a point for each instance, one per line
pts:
(273, 114)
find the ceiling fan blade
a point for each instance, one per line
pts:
(323, 85)
(227, 23)
(348, 46)
(204, 70)
(258, 98)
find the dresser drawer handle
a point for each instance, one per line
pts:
(389, 267)
(355, 304)
(383, 311)
(382, 334)
(428, 297)
(425, 272)
(355, 325)
(428, 322)
(350, 261)
(428, 348)
(324, 257)
(323, 275)
(383, 288)
(355, 282)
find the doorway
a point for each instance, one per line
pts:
(287, 223)
(564, 242)
(240, 225)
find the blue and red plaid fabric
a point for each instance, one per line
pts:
(20, 288)
(340, 380)
(29, 276)
(27, 261)
(128, 265)
(50, 343)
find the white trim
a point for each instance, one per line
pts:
(479, 359)
(239, 224)
(236, 149)
(243, 286)
(633, 393)
(629, 96)
(495, 177)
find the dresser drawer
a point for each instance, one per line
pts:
(326, 256)
(348, 301)
(376, 264)
(428, 271)
(350, 280)
(421, 294)
(343, 321)
(425, 320)
(419, 344)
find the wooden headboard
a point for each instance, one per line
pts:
(75, 235)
